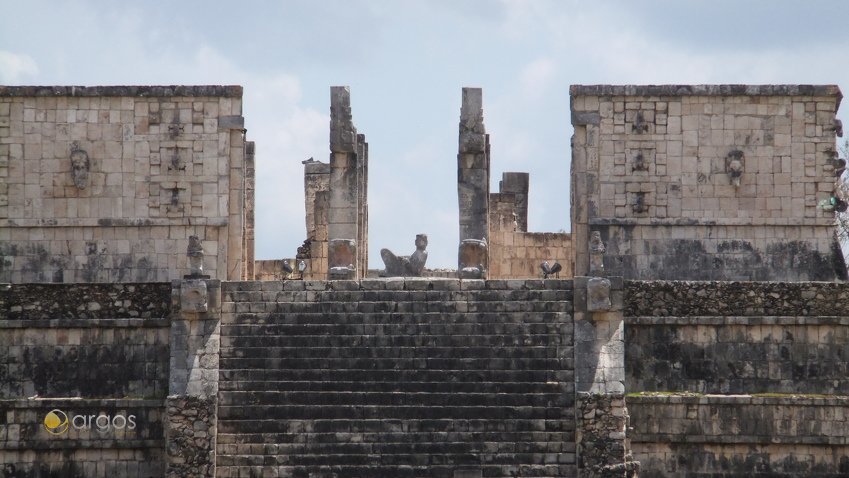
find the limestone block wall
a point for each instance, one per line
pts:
(518, 255)
(84, 351)
(737, 378)
(106, 184)
(715, 182)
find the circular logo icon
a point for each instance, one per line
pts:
(56, 422)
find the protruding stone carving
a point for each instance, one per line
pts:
(596, 254)
(177, 162)
(195, 254)
(640, 125)
(194, 296)
(406, 266)
(175, 129)
(639, 163)
(639, 206)
(80, 166)
(734, 166)
(598, 294)
(473, 259)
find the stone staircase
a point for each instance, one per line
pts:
(415, 378)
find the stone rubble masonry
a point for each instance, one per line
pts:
(83, 349)
(191, 428)
(166, 162)
(602, 420)
(397, 377)
(649, 172)
(729, 299)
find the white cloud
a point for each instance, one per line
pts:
(16, 68)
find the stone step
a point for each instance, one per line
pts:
(372, 295)
(392, 352)
(347, 426)
(306, 318)
(424, 399)
(342, 329)
(407, 387)
(487, 363)
(297, 435)
(399, 465)
(422, 340)
(390, 375)
(387, 412)
(392, 306)
(430, 470)
(290, 451)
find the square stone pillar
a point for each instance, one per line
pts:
(192, 402)
(343, 216)
(473, 185)
(250, 210)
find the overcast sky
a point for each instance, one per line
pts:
(406, 62)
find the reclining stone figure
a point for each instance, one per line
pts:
(406, 266)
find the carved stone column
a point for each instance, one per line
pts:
(343, 217)
(473, 186)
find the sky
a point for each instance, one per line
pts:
(406, 62)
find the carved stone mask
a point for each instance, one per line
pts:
(80, 168)
(734, 166)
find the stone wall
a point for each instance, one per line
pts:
(83, 350)
(397, 377)
(106, 184)
(518, 255)
(776, 352)
(706, 182)
(128, 443)
(740, 435)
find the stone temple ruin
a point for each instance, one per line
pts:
(695, 322)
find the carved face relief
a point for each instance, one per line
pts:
(596, 245)
(80, 167)
(734, 166)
